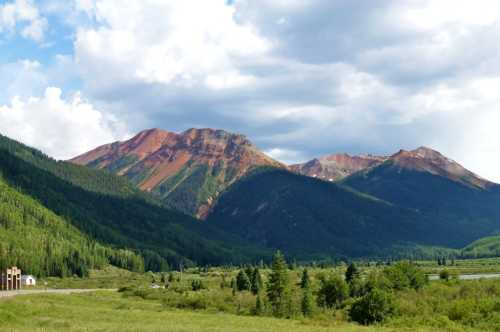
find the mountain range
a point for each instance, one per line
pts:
(353, 205)
(208, 196)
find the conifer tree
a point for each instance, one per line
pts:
(305, 281)
(256, 281)
(259, 307)
(278, 288)
(242, 281)
(306, 304)
(351, 273)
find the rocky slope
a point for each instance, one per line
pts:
(336, 167)
(187, 170)
(340, 166)
(433, 162)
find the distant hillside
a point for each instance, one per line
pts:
(312, 218)
(188, 171)
(425, 180)
(485, 247)
(105, 208)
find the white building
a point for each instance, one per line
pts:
(28, 280)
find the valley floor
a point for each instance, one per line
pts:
(107, 311)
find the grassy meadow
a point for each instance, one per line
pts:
(208, 299)
(107, 311)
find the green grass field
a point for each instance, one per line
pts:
(106, 311)
(450, 306)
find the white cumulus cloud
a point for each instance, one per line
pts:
(62, 128)
(182, 43)
(23, 15)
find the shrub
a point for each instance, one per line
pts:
(444, 275)
(333, 291)
(197, 285)
(405, 275)
(376, 306)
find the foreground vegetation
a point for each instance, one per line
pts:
(354, 297)
(106, 311)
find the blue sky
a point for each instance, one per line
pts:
(300, 78)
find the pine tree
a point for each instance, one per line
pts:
(278, 288)
(351, 273)
(306, 304)
(242, 281)
(256, 281)
(305, 282)
(259, 307)
(249, 272)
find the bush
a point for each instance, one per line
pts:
(376, 306)
(333, 291)
(444, 275)
(197, 285)
(405, 275)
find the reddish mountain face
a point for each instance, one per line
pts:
(187, 170)
(339, 166)
(427, 160)
(336, 167)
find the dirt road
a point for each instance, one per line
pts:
(5, 294)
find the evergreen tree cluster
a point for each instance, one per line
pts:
(44, 244)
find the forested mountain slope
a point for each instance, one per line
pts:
(313, 218)
(43, 243)
(116, 214)
(429, 182)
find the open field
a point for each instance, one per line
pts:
(102, 311)
(452, 306)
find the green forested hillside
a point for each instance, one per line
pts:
(308, 217)
(116, 215)
(467, 212)
(86, 178)
(485, 247)
(43, 243)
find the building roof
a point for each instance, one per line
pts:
(27, 276)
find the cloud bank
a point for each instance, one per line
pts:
(300, 78)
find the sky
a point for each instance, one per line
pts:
(300, 78)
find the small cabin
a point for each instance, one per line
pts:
(28, 281)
